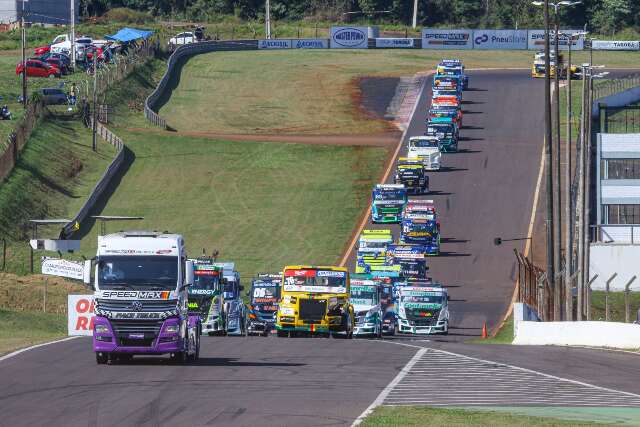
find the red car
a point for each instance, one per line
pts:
(39, 51)
(37, 68)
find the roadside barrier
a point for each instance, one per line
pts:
(105, 179)
(177, 59)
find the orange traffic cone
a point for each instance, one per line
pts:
(485, 335)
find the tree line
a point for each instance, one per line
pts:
(599, 16)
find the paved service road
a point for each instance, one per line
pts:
(484, 191)
(238, 381)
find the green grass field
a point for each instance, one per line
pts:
(307, 92)
(42, 327)
(417, 416)
(616, 306)
(55, 173)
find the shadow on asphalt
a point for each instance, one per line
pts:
(439, 193)
(468, 138)
(472, 127)
(472, 102)
(453, 254)
(467, 151)
(475, 89)
(465, 112)
(451, 169)
(452, 240)
(204, 361)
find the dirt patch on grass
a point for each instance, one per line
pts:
(371, 96)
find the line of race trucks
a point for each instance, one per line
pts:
(151, 299)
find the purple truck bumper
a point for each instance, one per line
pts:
(109, 342)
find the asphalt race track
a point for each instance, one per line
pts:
(484, 191)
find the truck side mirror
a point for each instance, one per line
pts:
(188, 273)
(241, 287)
(86, 272)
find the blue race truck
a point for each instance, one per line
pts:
(388, 200)
(231, 292)
(263, 304)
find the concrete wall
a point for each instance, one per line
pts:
(523, 313)
(620, 99)
(607, 259)
(592, 334)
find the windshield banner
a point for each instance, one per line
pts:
(127, 295)
(80, 315)
(446, 39)
(62, 268)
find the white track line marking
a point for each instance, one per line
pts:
(17, 352)
(384, 393)
(365, 218)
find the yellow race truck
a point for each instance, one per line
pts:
(315, 300)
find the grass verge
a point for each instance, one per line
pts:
(20, 329)
(53, 177)
(616, 306)
(305, 92)
(503, 336)
(408, 416)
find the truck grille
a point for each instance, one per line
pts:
(147, 305)
(312, 310)
(425, 321)
(145, 332)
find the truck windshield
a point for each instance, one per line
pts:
(442, 129)
(204, 282)
(412, 267)
(315, 281)
(390, 195)
(230, 290)
(424, 143)
(138, 272)
(364, 295)
(373, 245)
(409, 226)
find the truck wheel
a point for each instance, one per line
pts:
(446, 328)
(101, 358)
(379, 334)
(283, 334)
(179, 357)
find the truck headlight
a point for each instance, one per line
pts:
(287, 311)
(101, 329)
(171, 329)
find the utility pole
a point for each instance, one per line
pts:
(557, 247)
(415, 14)
(568, 259)
(24, 58)
(73, 33)
(267, 19)
(94, 144)
(551, 274)
(587, 187)
(580, 208)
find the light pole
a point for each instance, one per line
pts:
(415, 14)
(267, 19)
(553, 191)
(23, 37)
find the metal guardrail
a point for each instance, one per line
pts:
(104, 181)
(153, 101)
(605, 88)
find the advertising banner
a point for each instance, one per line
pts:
(349, 37)
(80, 315)
(446, 39)
(499, 39)
(62, 268)
(394, 43)
(310, 43)
(535, 40)
(615, 45)
(274, 44)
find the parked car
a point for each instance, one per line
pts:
(39, 51)
(37, 68)
(66, 59)
(59, 64)
(53, 96)
(183, 38)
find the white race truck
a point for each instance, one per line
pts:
(423, 310)
(140, 287)
(427, 149)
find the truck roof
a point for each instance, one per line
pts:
(141, 242)
(389, 187)
(437, 289)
